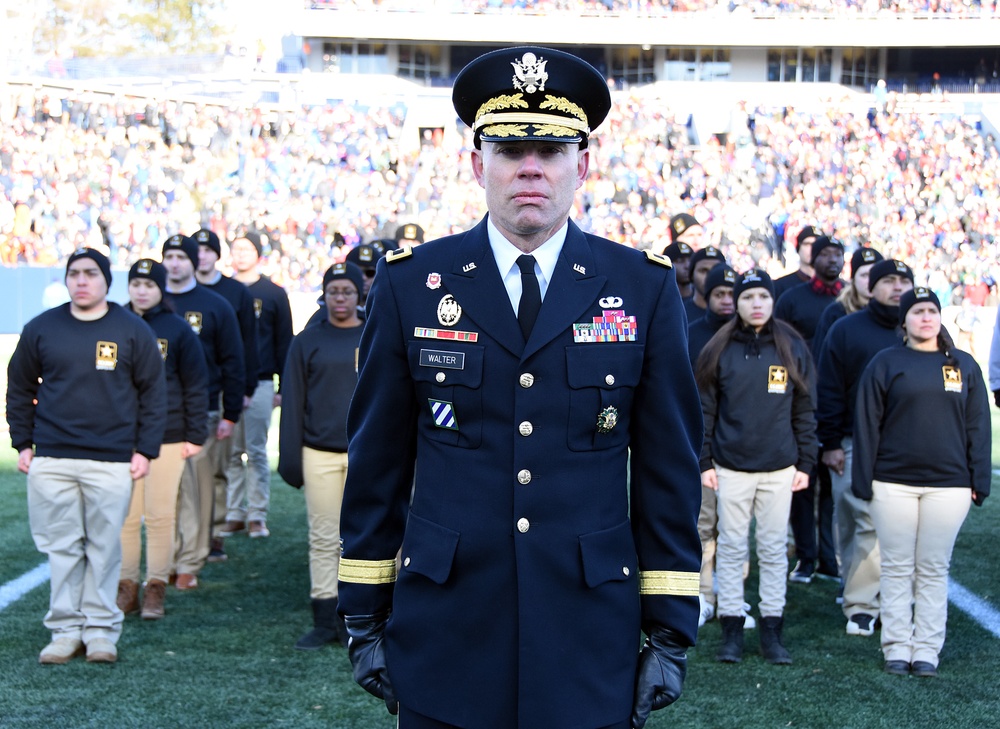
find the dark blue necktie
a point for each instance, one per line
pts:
(531, 296)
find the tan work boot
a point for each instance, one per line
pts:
(128, 596)
(152, 599)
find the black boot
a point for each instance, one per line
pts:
(770, 641)
(325, 620)
(732, 639)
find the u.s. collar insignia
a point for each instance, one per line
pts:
(952, 379)
(433, 281)
(580, 269)
(607, 419)
(610, 302)
(468, 267)
(530, 74)
(107, 355)
(449, 312)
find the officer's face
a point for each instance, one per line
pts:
(207, 258)
(529, 185)
(179, 267)
(86, 284)
(700, 272)
(888, 289)
(144, 294)
(720, 301)
(755, 306)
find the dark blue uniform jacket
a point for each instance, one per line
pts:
(525, 576)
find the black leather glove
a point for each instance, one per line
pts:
(996, 398)
(660, 677)
(366, 648)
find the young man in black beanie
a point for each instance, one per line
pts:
(249, 494)
(702, 261)
(802, 306)
(852, 298)
(721, 309)
(803, 246)
(213, 320)
(86, 405)
(849, 347)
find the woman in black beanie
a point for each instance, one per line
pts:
(755, 377)
(920, 478)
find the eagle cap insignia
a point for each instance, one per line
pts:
(529, 73)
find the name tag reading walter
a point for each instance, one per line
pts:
(440, 358)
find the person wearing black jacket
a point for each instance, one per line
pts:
(154, 497)
(703, 261)
(852, 298)
(248, 497)
(86, 406)
(848, 349)
(802, 306)
(755, 378)
(320, 375)
(236, 294)
(213, 320)
(803, 246)
(921, 456)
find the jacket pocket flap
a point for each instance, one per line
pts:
(429, 549)
(608, 555)
(604, 365)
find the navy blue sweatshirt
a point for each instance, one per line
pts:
(832, 313)
(102, 394)
(187, 377)
(788, 281)
(921, 422)
(756, 420)
(274, 326)
(850, 345)
(701, 330)
(242, 302)
(320, 375)
(802, 307)
(213, 320)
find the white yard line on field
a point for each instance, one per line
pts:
(975, 607)
(21, 586)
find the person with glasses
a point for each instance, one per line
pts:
(319, 378)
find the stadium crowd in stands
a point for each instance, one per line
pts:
(126, 173)
(666, 7)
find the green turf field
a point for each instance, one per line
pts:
(223, 657)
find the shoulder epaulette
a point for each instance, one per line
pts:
(659, 258)
(398, 255)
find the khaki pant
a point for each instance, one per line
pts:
(76, 509)
(708, 519)
(324, 475)
(857, 543)
(196, 502)
(248, 493)
(917, 528)
(154, 502)
(766, 497)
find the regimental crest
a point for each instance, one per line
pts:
(433, 281)
(164, 346)
(448, 311)
(107, 355)
(952, 378)
(530, 74)
(607, 419)
(193, 318)
(777, 380)
(258, 307)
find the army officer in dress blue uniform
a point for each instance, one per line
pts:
(516, 389)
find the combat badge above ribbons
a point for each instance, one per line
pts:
(448, 311)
